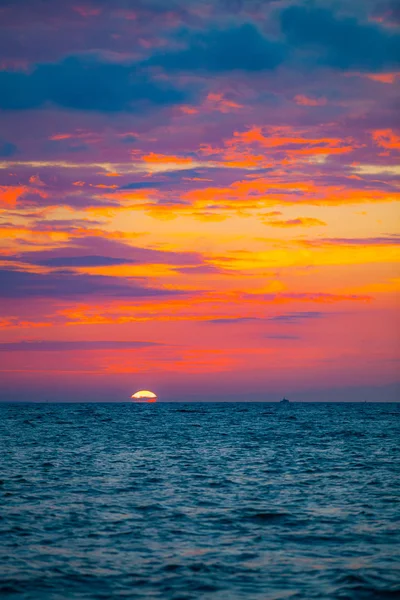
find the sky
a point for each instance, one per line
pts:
(200, 198)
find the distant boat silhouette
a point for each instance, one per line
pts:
(284, 401)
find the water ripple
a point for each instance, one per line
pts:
(201, 501)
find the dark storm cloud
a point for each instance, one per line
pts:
(70, 346)
(341, 42)
(84, 83)
(239, 48)
(67, 284)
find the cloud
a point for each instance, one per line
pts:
(285, 318)
(82, 261)
(340, 42)
(142, 185)
(10, 194)
(294, 317)
(68, 225)
(182, 177)
(239, 48)
(64, 146)
(92, 251)
(129, 139)
(282, 337)
(385, 240)
(70, 346)
(7, 149)
(229, 321)
(84, 83)
(303, 100)
(387, 10)
(318, 297)
(386, 138)
(67, 284)
(200, 270)
(301, 221)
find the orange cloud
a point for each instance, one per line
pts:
(239, 158)
(10, 194)
(386, 138)
(35, 180)
(189, 110)
(230, 304)
(281, 136)
(275, 145)
(103, 186)
(219, 103)
(269, 191)
(382, 77)
(307, 101)
(15, 322)
(79, 134)
(60, 136)
(152, 157)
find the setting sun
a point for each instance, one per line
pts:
(144, 396)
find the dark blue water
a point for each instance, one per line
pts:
(200, 501)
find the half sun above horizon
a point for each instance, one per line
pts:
(144, 396)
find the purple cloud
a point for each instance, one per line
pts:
(295, 317)
(100, 251)
(67, 284)
(71, 346)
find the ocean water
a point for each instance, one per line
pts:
(199, 501)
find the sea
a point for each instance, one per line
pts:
(213, 501)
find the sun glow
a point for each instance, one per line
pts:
(144, 396)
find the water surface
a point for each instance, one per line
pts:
(199, 501)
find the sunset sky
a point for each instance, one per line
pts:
(199, 198)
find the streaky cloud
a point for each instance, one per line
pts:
(298, 316)
(230, 320)
(102, 251)
(67, 284)
(384, 240)
(83, 261)
(71, 346)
